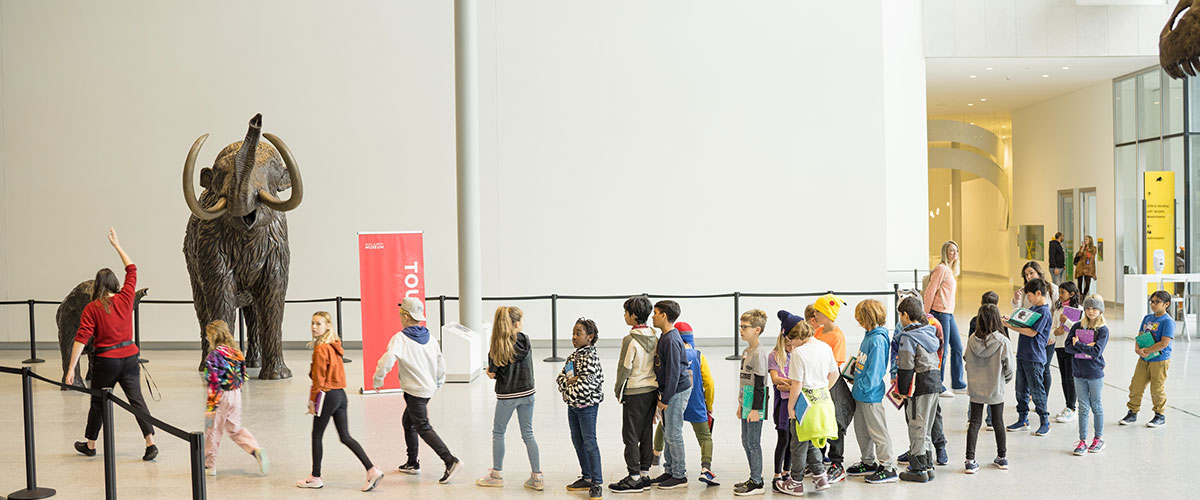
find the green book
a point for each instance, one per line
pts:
(1146, 340)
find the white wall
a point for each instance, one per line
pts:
(984, 238)
(905, 134)
(1066, 143)
(670, 147)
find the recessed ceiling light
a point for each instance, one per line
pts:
(1004, 126)
(947, 203)
(1155, 102)
(1045, 76)
(1066, 67)
(970, 104)
(983, 99)
(972, 123)
(972, 76)
(989, 68)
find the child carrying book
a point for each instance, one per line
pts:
(1154, 357)
(1086, 342)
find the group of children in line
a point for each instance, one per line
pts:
(664, 379)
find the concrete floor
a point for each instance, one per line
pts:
(1139, 462)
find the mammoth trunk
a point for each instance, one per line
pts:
(245, 193)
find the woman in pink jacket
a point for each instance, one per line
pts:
(939, 301)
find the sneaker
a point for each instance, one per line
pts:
(627, 485)
(210, 471)
(777, 484)
(748, 488)
(861, 469)
(707, 477)
(82, 448)
(792, 487)
(1130, 418)
(151, 453)
(580, 484)
(961, 391)
(903, 458)
(264, 464)
(410, 468)
(942, 457)
(1066, 415)
(646, 480)
(1000, 463)
(1097, 446)
(672, 482)
(914, 476)
(1019, 425)
(661, 477)
(883, 475)
(492, 479)
(1043, 430)
(595, 492)
(988, 427)
(1159, 420)
(310, 482)
(535, 482)
(821, 482)
(1080, 448)
(374, 476)
(835, 473)
(946, 395)
(971, 467)
(451, 469)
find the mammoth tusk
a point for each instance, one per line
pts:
(189, 192)
(293, 173)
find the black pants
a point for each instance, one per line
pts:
(843, 404)
(1066, 375)
(1085, 284)
(416, 423)
(783, 455)
(335, 406)
(637, 431)
(997, 413)
(106, 374)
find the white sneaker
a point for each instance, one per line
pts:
(373, 477)
(210, 471)
(1066, 415)
(310, 482)
(946, 394)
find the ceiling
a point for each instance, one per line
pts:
(1000, 85)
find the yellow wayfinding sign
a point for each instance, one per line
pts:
(1160, 221)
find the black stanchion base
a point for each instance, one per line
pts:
(31, 361)
(732, 357)
(554, 359)
(33, 494)
(142, 360)
(347, 360)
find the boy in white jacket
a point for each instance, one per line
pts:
(422, 371)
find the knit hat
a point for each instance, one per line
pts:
(1093, 303)
(830, 305)
(788, 320)
(685, 332)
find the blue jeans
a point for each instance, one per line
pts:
(583, 436)
(752, 443)
(1087, 394)
(673, 452)
(1029, 385)
(504, 410)
(955, 352)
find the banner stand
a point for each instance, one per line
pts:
(391, 267)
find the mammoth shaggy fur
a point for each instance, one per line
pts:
(67, 317)
(236, 243)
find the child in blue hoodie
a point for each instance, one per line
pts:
(870, 371)
(699, 406)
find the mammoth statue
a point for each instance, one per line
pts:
(1179, 43)
(67, 318)
(236, 241)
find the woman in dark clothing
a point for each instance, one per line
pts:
(109, 318)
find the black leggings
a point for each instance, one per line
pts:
(1065, 369)
(106, 374)
(997, 413)
(335, 406)
(783, 458)
(1085, 284)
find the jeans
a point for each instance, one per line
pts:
(1029, 385)
(1066, 371)
(674, 455)
(504, 410)
(805, 455)
(107, 374)
(1088, 391)
(637, 431)
(995, 413)
(752, 443)
(1047, 378)
(415, 422)
(583, 435)
(335, 407)
(955, 352)
(1056, 275)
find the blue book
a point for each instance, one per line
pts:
(801, 406)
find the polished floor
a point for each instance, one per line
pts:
(1139, 462)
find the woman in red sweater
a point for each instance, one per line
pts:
(109, 318)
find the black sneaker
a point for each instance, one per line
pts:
(580, 484)
(627, 485)
(748, 488)
(661, 478)
(451, 469)
(914, 476)
(1159, 420)
(835, 473)
(81, 447)
(942, 457)
(645, 480)
(861, 469)
(883, 475)
(903, 458)
(151, 453)
(410, 468)
(595, 492)
(775, 484)
(1130, 418)
(672, 482)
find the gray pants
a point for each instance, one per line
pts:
(804, 453)
(870, 428)
(920, 412)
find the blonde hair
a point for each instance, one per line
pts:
(218, 334)
(870, 314)
(504, 335)
(780, 351)
(946, 246)
(756, 317)
(329, 336)
(1089, 323)
(802, 331)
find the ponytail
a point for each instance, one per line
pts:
(504, 335)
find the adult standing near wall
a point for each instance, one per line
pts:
(1085, 266)
(939, 301)
(109, 318)
(1058, 259)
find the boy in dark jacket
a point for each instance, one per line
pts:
(674, 389)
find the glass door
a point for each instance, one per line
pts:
(1066, 225)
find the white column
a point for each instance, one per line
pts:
(466, 111)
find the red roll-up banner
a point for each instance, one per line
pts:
(391, 267)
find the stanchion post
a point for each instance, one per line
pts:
(916, 280)
(339, 324)
(896, 301)
(737, 319)
(32, 339)
(196, 443)
(110, 454)
(137, 331)
(441, 311)
(553, 331)
(31, 491)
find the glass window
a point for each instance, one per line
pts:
(1193, 266)
(1124, 107)
(1129, 212)
(1149, 104)
(1173, 105)
(1175, 163)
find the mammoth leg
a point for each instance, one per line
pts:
(253, 352)
(213, 294)
(268, 334)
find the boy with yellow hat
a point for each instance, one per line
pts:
(821, 315)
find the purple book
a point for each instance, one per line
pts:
(1084, 337)
(1073, 314)
(319, 404)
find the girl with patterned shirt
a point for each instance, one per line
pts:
(580, 382)
(225, 371)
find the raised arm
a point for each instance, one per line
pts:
(112, 238)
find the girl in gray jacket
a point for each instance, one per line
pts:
(990, 365)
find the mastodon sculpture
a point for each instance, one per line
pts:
(1179, 43)
(236, 242)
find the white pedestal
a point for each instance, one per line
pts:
(462, 349)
